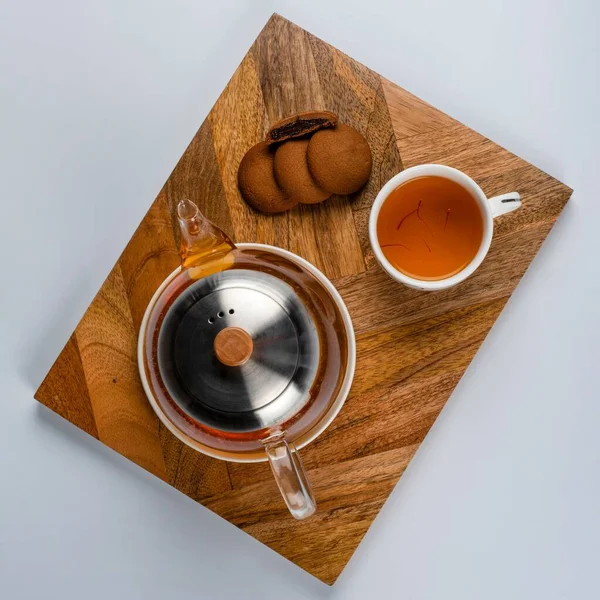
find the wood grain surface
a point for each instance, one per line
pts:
(412, 347)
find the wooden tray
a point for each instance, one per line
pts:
(412, 347)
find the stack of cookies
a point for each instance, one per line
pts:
(305, 159)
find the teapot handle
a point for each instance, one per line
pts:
(505, 203)
(290, 476)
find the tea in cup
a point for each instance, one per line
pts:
(431, 226)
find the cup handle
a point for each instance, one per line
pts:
(505, 203)
(290, 476)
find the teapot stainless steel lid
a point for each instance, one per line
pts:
(239, 351)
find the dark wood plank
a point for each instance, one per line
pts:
(197, 177)
(238, 121)
(149, 258)
(290, 83)
(356, 94)
(64, 389)
(196, 475)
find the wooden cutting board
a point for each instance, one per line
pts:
(413, 347)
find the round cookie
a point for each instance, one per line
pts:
(339, 159)
(257, 184)
(292, 174)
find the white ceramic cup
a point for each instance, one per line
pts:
(490, 209)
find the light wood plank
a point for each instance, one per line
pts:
(108, 346)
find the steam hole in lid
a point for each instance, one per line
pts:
(211, 320)
(231, 311)
(221, 314)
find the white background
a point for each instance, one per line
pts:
(97, 102)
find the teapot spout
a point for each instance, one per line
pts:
(201, 241)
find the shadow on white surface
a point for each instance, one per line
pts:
(84, 444)
(180, 535)
(39, 352)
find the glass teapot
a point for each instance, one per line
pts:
(246, 353)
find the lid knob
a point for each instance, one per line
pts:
(233, 346)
